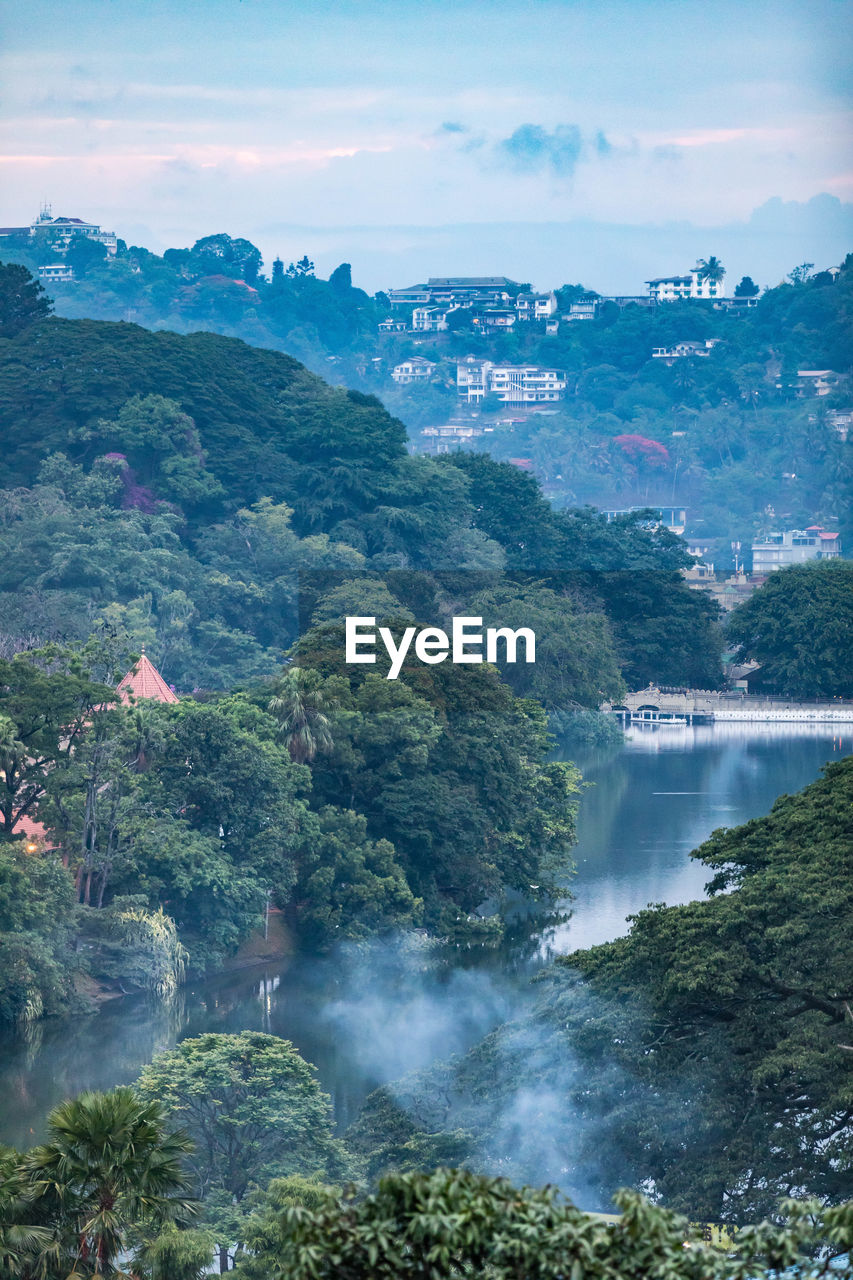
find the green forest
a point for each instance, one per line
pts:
(728, 434)
(221, 508)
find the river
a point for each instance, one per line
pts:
(365, 1017)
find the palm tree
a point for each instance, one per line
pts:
(25, 1245)
(297, 705)
(711, 269)
(109, 1165)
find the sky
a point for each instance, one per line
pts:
(602, 141)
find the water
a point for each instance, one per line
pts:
(371, 1018)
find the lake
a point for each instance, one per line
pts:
(368, 1015)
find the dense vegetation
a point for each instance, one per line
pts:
(799, 628)
(707, 1051)
(725, 433)
(109, 1182)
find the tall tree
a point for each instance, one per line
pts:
(252, 1106)
(711, 269)
(107, 1167)
(22, 300)
(298, 705)
(799, 627)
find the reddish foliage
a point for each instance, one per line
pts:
(644, 450)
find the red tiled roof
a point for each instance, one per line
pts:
(29, 828)
(145, 681)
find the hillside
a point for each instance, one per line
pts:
(730, 431)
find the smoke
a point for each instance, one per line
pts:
(403, 1007)
(462, 1051)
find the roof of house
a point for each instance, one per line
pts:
(29, 828)
(468, 282)
(145, 681)
(13, 231)
(670, 280)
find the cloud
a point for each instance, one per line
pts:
(453, 126)
(531, 149)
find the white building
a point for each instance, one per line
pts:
(461, 290)
(683, 349)
(512, 384)
(672, 518)
(693, 285)
(429, 319)
(535, 306)
(583, 309)
(55, 271)
(61, 232)
(392, 326)
(816, 382)
(417, 369)
(794, 546)
(452, 436)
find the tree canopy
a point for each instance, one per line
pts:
(798, 627)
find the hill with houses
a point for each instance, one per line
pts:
(730, 403)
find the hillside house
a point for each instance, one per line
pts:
(416, 369)
(681, 350)
(430, 319)
(493, 319)
(583, 309)
(794, 546)
(692, 285)
(512, 384)
(55, 271)
(60, 233)
(535, 306)
(816, 382)
(481, 291)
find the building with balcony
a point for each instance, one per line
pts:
(494, 319)
(512, 384)
(416, 369)
(692, 285)
(60, 233)
(481, 291)
(535, 306)
(430, 319)
(681, 350)
(672, 518)
(794, 546)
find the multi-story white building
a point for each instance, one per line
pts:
(417, 369)
(485, 291)
(535, 306)
(430, 319)
(692, 285)
(794, 546)
(512, 384)
(60, 233)
(54, 271)
(583, 309)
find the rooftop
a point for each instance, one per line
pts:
(145, 681)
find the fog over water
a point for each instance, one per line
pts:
(370, 1015)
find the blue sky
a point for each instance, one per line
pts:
(594, 140)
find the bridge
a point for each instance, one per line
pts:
(657, 704)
